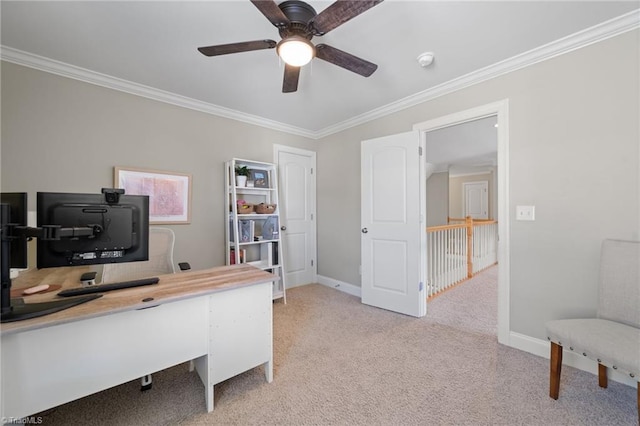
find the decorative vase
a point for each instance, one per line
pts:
(241, 180)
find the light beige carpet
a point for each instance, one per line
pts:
(338, 362)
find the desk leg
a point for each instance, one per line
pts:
(241, 334)
(201, 366)
(268, 370)
(209, 397)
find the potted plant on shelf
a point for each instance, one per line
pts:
(242, 172)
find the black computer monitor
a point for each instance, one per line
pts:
(73, 229)
(121, 228)
(17, 202)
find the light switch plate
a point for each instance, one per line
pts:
(525, 212)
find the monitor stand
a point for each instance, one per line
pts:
(15, 309)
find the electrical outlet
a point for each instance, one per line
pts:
(525, 212)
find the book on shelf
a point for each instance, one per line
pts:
(232, 256)
(274, 250)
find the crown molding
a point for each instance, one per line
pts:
(456, 175)
(82, 74)
(603, 31)
(616, 26)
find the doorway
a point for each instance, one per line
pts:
(500, 111)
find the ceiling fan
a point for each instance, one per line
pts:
(298, 23)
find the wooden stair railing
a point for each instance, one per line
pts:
(445, 249)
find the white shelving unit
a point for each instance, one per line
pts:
(254, 238)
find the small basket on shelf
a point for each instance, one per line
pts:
(263, 208)
(244, 207)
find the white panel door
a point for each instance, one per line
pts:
(297, 199)
(393, 234)
(476, 199)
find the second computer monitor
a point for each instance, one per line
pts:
(121, 228)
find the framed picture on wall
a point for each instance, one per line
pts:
(260, 178)
(169, 192)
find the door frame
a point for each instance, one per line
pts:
(500, 109)
(313, 241)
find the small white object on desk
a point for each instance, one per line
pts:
(36, 289)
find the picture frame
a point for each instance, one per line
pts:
(169, 192)
(259, 177)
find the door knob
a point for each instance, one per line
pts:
(365, 230)
(283, 228)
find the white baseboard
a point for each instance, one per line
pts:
(351, 289)
(290, 286)
(542, 348)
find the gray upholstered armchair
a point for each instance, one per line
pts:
(613, 338)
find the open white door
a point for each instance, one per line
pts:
(393, 234)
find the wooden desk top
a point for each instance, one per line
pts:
(171, 288)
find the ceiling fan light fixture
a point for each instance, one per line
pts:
(296, 51)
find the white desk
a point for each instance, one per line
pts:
(221, 318)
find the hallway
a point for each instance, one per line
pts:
(471, 305)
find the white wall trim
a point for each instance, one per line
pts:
(351, 289)
(483, 173)
(299, 151)
(616, 26)
(289, 287)
(541, 348)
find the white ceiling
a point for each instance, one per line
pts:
(141, 46)
(469, 147)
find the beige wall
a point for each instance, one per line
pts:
(63, 135)
(573, 153)
(456, 192)
(438, 199)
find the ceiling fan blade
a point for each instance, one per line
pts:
(291, 76)
(345, 60)
(245, 46)
(338, 13)
(270, 9)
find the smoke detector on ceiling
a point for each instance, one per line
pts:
(425, 59)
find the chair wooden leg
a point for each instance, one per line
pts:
(602, 376)
(555, 370)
